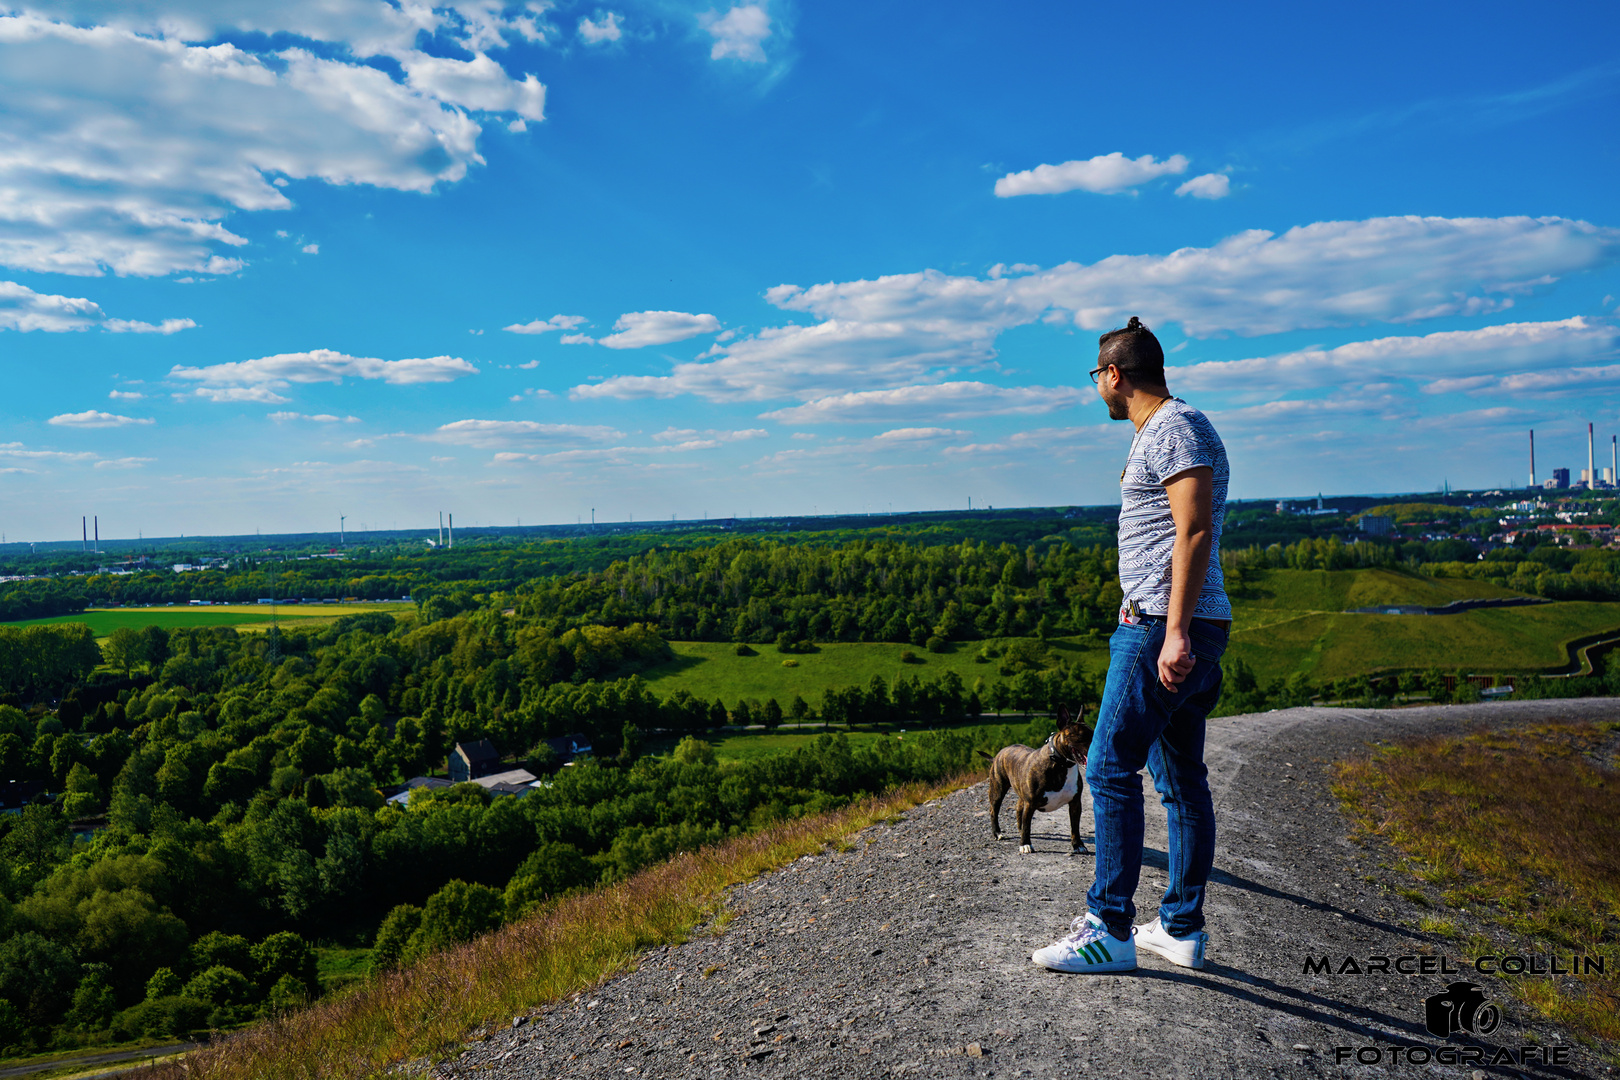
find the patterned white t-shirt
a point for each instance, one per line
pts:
(1176, 438)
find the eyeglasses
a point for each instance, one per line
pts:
(1098, 371)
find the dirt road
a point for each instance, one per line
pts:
(909, 953)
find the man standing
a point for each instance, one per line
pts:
(1164, 673)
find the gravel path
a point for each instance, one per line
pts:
(908, 954)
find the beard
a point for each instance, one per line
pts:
(1117, 409)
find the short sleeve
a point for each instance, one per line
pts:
(1179, 446)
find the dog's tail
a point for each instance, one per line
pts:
(987, 755)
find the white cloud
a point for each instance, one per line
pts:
(637, 329)
(918, 434)
(123, 463)
(530, 366)
(318, 418)
(90, 418)
(604, 28)
(941, 401)
(21, 308)
(311, 249)
(125, 395)
(1208, 186)
(909, 328)
(497, 433)
(1458, 357)
(1106, 174)
(541, 326)
(739, 33)
(252, 380)
(17, 451)
(223, 394)
(100, 177)
(577, 339)
(684, 435)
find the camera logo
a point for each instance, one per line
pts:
(1461, 1007)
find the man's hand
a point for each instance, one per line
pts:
(1176, 659)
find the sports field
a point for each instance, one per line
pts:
(103, 621)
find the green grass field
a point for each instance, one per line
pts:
(1285, 621)
(712, 670)
(103, 621)
(1340, 590)
(1506, 640)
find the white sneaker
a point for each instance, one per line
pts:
(1185, 951)
(1087, 949)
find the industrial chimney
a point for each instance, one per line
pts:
(1591, 462)
(1532, 457)
(452, 533)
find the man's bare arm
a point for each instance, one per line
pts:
(1191, 496)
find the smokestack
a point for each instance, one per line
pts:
(84, 534)
(97, 521)
(1591, 463)
(452, 530)
(1532, 457)
(441, 528)
(1614, 461)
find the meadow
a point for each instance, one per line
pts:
(103, 621)
(1285, 621)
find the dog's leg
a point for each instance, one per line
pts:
(1026, 812)
(998, 792)
(1076, 845)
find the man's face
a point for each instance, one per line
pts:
(1108, 390)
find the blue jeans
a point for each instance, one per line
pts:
(1141, 723)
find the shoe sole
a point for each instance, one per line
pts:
(1108, 967)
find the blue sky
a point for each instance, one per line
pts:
(262, 265)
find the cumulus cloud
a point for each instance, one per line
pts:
(1457, 359)
(603, 28)
(252, 380)
(311, 249)
(500, 433)
(1208, 186)
(637, 329)
(739, 33)
(908, 328)
(98, 179)
(125, 395)
(90, 418)
(21, 308)
(1106, 174)
(123, 463)
(543, 326)
(939, 401)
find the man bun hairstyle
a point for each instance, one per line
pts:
(1135, 351)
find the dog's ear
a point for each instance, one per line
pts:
(1063, 717)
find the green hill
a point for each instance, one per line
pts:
(1341, 590)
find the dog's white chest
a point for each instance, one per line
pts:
(1056, 800)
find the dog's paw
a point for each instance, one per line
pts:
(1025, 849)
(998, 836)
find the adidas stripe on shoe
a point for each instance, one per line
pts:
(1088, 948)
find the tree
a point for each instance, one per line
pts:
(393, 935)
(798, 709)
(772, 714)
(456, 913)
(123, 648)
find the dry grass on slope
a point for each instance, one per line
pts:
(1523, 827)
(425, 1012)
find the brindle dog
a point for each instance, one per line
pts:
(1045, 779)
